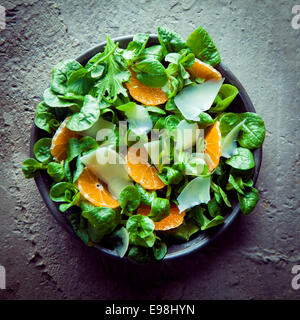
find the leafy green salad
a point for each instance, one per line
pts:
(141, 146)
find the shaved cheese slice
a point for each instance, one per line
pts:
(120, 241)
(229, 146)
(153, 151)
(109, 167)
(98, 126)
(186, 135)
(138, 117)
(194, 193)
(194, 99)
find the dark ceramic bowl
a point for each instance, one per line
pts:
(242, 103)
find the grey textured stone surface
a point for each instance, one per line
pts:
(253, 260)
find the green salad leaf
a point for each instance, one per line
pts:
(111, 84)
(31, 168)
(160, 209)
(65, 192)
(202, 221)
(171, 122)
(169, 175)
(213, 207)
(228, 121)
(205, 120)
(185, 230)
(79, 169)
(146, 196)
(129, 199)
(75, 146)
(224, 98)
(54, 100)
(56, 171)
(42, 151)
(252, 132)
(171, 41)
(139, 254)
(79, 226)
(86, 117)
(45, 118)
(243, 160)
(151, 73)
(59, 78)
(136, 47)
(248, 200)
(155, 52)
(140, 230)
(203, 47)
(235, 183)
(102, 221)
(159, 249)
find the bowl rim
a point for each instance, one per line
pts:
(61, 219)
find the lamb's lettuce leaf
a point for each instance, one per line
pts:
(102, 221)
(224, 98)
(146, 196)
(151, 73)
(136, 47)
(56, 171)
(242, 160)
(42, 150)
(248, 200)
(203, 47)
(155, 52)
(140, 230)
(59, 79)
(65, 192)
(159, 249)
(252, 132)
(160, 209)
(185, 230)
(201, 219)
(171, 41)
(86, 117)
(31, 168)
(129, 199)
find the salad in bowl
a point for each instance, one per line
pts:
(141, 147)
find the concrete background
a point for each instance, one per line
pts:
(253, 260)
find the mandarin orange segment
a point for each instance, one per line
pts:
(142, 172)
(173, 220)
(91, 188)
(204, 71)
(146, 95)
(60, 140)
(213, 146)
